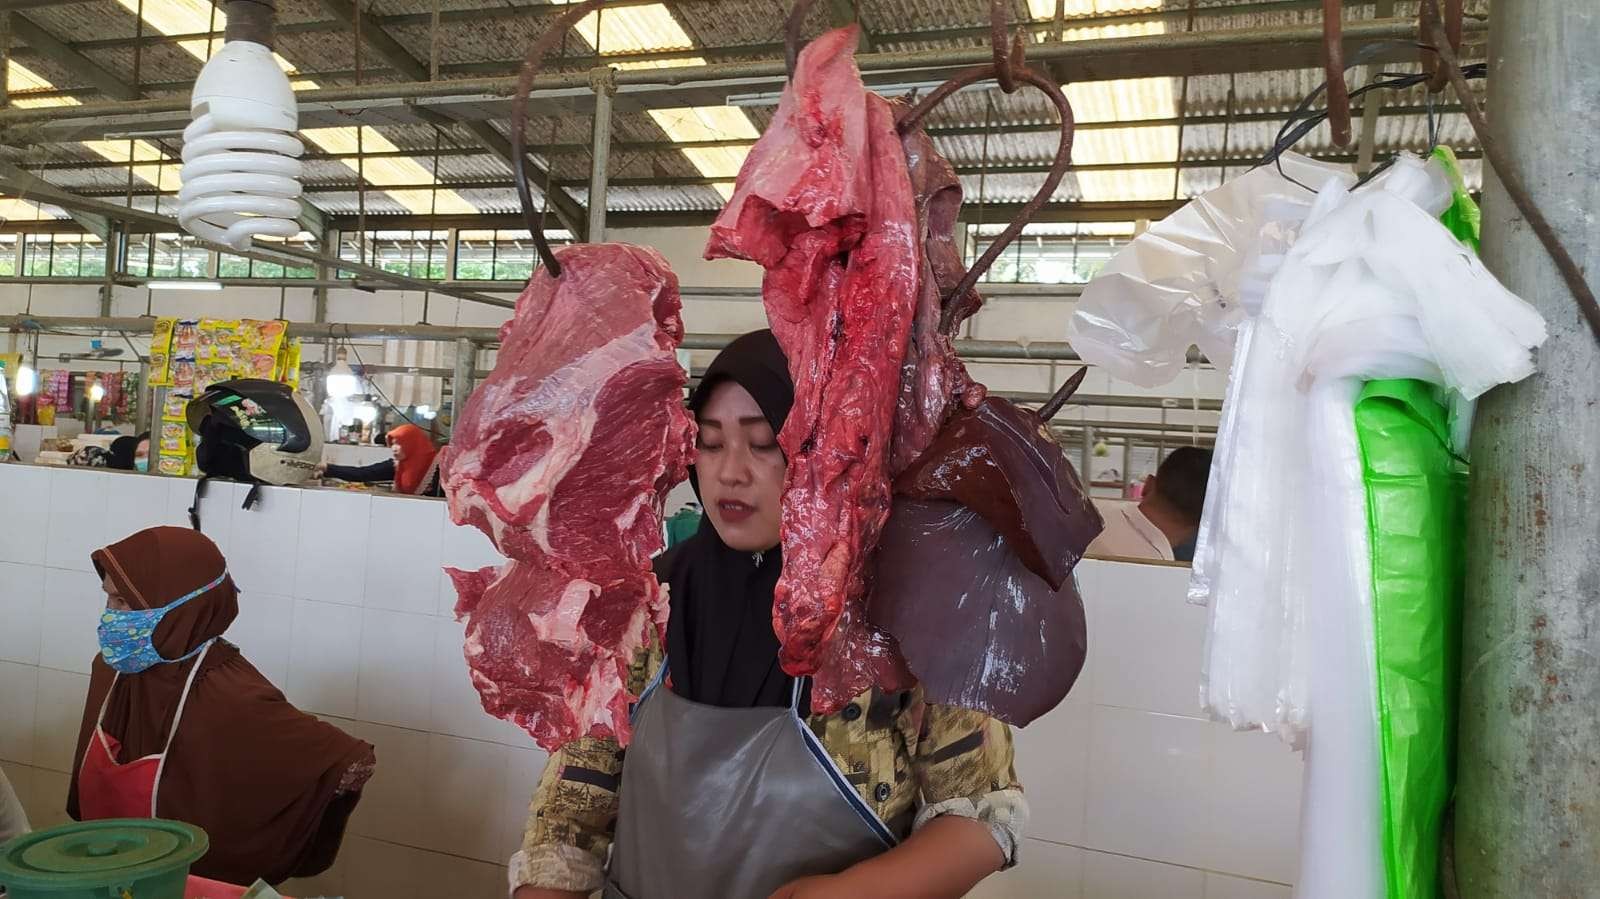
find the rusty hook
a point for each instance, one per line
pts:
(1063, 393)
(1005, 62)
(519, 123)
(1333, 66)
(1427, 17)
(1007, 66)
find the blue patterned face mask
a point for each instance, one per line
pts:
(127, 637)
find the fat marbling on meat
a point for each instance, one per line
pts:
(563, 456)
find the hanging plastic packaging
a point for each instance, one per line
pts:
(1181, 283)
(1416, 498)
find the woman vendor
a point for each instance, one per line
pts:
(414, 469)
(730, 788)
(178, 725)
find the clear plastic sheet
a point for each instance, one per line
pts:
(1179, 284)
(1373, 287)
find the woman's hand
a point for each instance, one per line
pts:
(542, 893)
(826, 886)
(320, 472)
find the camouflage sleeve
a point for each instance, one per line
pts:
(574, 808)
(964, 764)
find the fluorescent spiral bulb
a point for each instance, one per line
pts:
(241, 165)
(27, 381)
(97, 392)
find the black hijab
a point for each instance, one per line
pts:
(122, 452)
(720, 641)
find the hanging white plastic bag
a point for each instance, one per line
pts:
(1178, 284)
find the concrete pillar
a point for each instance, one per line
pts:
(1528, 798)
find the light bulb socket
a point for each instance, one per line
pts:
(251, 20)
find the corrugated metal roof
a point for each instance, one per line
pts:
(731, 28)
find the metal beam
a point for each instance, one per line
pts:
(266, 252)
(1029, 168)
(27, 185)
(664, 146)
(397, 56)
(57, 51)
(557, 93)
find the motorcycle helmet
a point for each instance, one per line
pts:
(255, 431)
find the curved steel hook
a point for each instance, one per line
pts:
(1427, 18)
(1007, 67)
(519, 123)
(1333, 67)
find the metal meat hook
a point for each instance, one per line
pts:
(519, 123)
(1011, 71)
(791, 31)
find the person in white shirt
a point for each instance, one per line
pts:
(1164, 522)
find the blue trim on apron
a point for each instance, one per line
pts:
(848, 793)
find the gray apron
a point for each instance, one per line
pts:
(731, 803)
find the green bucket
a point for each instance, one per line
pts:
(118, 858)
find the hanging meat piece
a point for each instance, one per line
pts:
(978, 628)
(932, 379)
(564, 452)
(564, 457)
(550, 652)
(1001, 462)
(824, 203)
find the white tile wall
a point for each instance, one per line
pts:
(1053, 761)
(21, 610)
(25, 488)
(1132, 794)
(1255, 787)
(1221, 886)
(1149, 784)
(264, 632)
(77, 518)
(19, 690)
(403, 554)
(463, 807)
(1107, 876)
(324, 658)
(1043, 869)
(257, 556)
(57, 715)
(132, 500)
(1139, 603)
(334, 526)
(396, 668)
(71, 614)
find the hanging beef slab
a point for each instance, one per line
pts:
(978, 629)
(564, 457)
(550, 652)
(824, 203)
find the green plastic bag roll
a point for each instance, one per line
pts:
(1416, 493)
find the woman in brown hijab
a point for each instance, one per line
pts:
(182, 727)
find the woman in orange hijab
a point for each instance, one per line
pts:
(414, 468)
(179, 725)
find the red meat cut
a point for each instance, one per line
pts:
(550, 652)
(824, 203)
(564, 451)
(932, 379)
(563, 457)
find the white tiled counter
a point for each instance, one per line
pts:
(344, 607)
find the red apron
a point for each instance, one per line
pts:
(107, 789)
